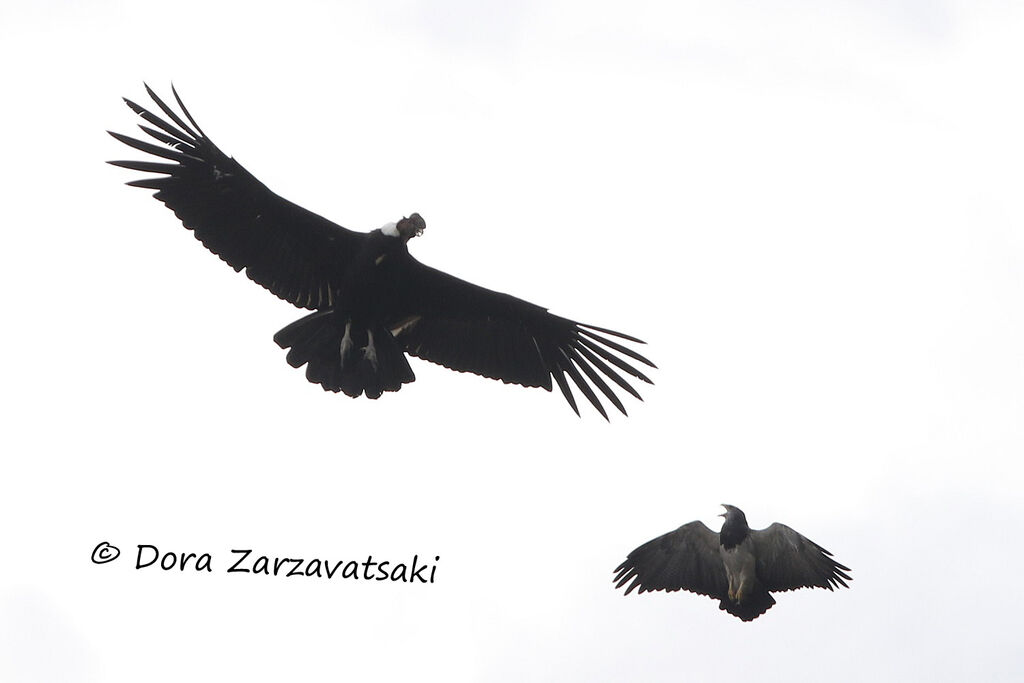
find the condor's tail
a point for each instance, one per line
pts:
(341, 356)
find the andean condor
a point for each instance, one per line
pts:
(739, 566)
(372, 302)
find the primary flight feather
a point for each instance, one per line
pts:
(372, 302)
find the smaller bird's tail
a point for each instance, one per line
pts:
(754, 605)
(341, 356)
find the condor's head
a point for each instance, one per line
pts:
(407, 228)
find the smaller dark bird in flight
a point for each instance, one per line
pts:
(739, 566)
(372, 302)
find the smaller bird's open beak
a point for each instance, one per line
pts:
(726, 510)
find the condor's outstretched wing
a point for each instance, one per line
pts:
(684, 559)
(472, 329)
(296, 254)
(787, 561)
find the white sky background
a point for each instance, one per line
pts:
(812, 211)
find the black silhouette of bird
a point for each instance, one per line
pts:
(372, 302)
(739, 566)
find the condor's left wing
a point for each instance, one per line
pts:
(296, 254)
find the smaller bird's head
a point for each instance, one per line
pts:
(734, 528)
(411, 226)
(733, 512)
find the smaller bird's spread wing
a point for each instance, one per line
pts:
(296, 254)
(787, 561)
(472, 329)
(685, 559)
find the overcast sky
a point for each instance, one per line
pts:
(810, 210)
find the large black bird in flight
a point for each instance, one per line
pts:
(372, 302)
(739, 566)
